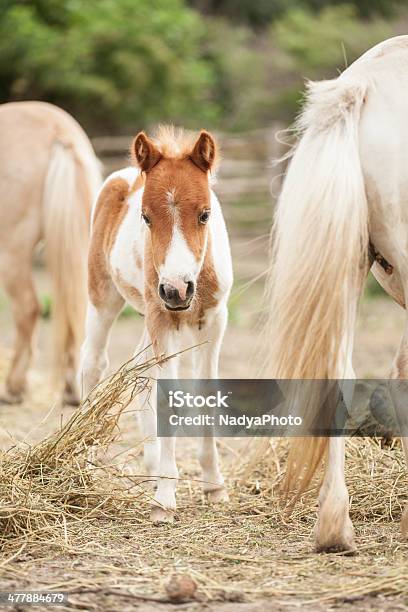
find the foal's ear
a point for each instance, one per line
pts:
(145, 152)
(204, 151)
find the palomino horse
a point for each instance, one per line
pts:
(346, 187)
(159, 242)
(48, 178)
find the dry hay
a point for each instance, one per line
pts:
(84, 528)
(45, 486)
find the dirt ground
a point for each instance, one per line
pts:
(271, 567)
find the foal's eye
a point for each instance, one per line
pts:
(204, 216)
(146, 219)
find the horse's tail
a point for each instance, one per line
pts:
(320, 248)
(72, 180)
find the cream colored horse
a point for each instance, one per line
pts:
(49, 176)
(346, 187)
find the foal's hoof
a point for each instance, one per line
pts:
(217, 496)
(161, 515)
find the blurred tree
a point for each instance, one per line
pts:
(119, 65)
(253, 12)
(364, 8)
(333, 38)
(317, 46)
(260, 13)
(111, 62)
(239, 70)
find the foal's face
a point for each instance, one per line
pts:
(176, 207)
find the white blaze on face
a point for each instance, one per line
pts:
(180, 265)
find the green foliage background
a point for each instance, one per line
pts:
(119, 65)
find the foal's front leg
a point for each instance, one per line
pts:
(165, 497)
(207, 360)
(146, 412)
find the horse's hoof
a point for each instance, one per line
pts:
(71, 400)
(161, 515)
(334, 542)
(217, 496)
(344, 546)
(10, 399)
(404, 523)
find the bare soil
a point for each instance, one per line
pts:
(103, 574)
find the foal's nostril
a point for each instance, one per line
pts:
(190, 289)
(162, 292)
(176, 296)
(173, 295)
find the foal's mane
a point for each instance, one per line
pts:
(173, 142)
(177, 143)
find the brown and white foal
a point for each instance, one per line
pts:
(160, 243)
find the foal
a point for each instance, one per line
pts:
(160, 243)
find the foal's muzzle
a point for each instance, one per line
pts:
(177, 295)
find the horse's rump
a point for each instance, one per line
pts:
(50, 175)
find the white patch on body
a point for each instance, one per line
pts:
(129, 247)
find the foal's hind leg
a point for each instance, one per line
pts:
(18, 282)
(94, 357)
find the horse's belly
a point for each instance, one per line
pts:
(391, 283)
(384, 160)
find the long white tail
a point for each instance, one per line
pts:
(319, 253)
(71, 184)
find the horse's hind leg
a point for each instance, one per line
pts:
(18, 282)
(71, 392)
(334, 530)
(399, 395)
